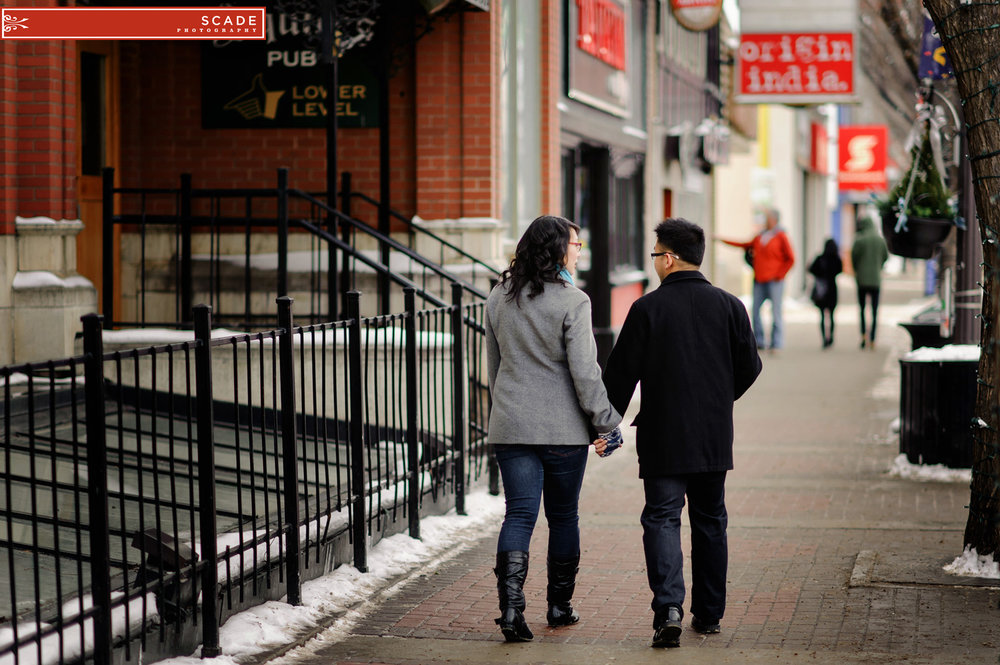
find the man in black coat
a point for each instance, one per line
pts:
(691, 348)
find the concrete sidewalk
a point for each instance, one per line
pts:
(832, 560)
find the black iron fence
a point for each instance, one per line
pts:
(238, 249)
(149, 493)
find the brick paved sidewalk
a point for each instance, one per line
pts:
(832, 560)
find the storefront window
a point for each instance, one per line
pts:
(625, 237)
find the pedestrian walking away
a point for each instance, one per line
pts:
(690, 347)
(824, 270)
(772, 259)
(548, 404)
(868, 254)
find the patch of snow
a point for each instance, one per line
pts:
(903, 468)
(949, 352)
(42, 220)
(274, 623)
(35, 279)
(970, 564)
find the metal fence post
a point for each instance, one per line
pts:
(359, 522)
(338, 274)
(97, 487)
(283, 232)
(458, 394)
(108, 245)
(492, 467)
(187, 280)
(202, 315)
(412, 442)
(289, 458)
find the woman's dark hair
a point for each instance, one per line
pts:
(538, 257)
(830, 248)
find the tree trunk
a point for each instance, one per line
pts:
(972, 40)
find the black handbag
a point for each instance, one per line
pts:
(819, 291)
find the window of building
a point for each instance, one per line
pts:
(93, 91)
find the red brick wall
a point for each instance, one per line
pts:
(443, 128)
(551, 93)
(37, 129)
(457, 118)
(162, 135)
(444, 137)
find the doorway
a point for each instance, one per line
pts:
(97, 148)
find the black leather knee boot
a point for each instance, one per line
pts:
(562, 582)
(511, 571)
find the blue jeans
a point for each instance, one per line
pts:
(661, 541)
(531, 473)
(768, 291)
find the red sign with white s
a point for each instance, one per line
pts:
(863, 153)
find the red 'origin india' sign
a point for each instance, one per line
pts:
(814, 65)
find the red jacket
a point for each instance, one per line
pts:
(771, 260)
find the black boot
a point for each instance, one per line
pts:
(511, 571)
(562, 582)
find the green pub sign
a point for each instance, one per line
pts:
(279, 82)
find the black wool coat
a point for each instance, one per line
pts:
(825, 268)
(690, 347)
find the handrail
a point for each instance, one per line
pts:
(371, 263)
(394, 244)
(399, 279)
(413, 227)
(253, 208)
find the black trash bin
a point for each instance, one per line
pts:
(936, 407)
(925, 328)
(925, 333)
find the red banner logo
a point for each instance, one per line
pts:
(797, 65)
(133, 23)
(863, 154)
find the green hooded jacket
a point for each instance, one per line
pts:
(868, 254)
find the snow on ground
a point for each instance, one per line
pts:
(903, 468)
(970, 564)
(346, 591)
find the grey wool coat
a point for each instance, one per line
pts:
(543, 372)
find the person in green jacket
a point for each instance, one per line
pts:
(868, 255)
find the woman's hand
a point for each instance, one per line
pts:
(608, 443)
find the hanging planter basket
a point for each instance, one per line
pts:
(929, 207)
(919, 239)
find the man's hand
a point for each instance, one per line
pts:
(599, 446)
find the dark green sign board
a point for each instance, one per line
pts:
(280, 83)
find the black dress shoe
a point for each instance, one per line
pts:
(705, 627)
(667, 629)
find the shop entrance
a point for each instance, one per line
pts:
(97, 129)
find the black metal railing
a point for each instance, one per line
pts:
(150, 493)
(238, 249)
(447, 252)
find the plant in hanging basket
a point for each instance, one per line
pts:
(920, 210)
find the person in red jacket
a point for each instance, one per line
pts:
(772, 259)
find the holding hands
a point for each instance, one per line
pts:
(607, 443)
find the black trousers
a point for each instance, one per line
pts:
(661, 541)
(826, 325)
(868, 293)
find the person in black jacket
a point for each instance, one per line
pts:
(824, 270)
(690, 346)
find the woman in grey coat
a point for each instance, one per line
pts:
(549, 403)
